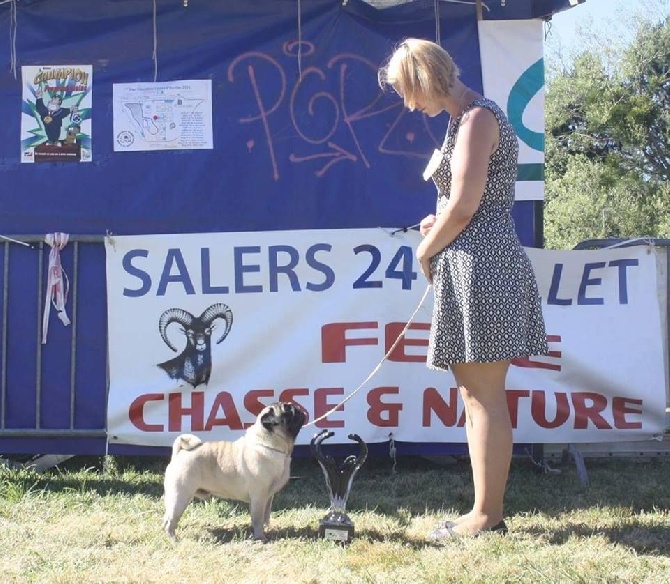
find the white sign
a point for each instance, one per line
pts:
(513, 76)
(205, 328)
(175, 115)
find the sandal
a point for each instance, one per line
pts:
(500, 528)
(446, 531)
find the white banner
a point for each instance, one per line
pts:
(513, 76)
(307, 315)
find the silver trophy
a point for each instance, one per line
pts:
(336, 525)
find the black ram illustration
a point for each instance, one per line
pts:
(194, 363)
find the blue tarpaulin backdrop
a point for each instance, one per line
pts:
(303, 138)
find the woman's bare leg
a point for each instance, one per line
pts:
(489, 434)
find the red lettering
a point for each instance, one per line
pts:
(513, 397)
(584, 412)
(321, 406)
(253, 404)
(383, 414)
(136, 412)
(334, 341)
(538, 409)
(392, 332)
(535, 364)
(231, 417)
(176, 411)
(620, 409)
(433, 403)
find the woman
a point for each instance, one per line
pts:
(487, 309)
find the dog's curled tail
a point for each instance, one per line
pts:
(185, 442)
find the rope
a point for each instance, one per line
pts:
(374, 371)
(12, 37)
(299, 42)
(438, 39)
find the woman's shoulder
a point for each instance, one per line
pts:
(481, 111)
(486, 103)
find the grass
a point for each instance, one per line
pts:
(84, 523)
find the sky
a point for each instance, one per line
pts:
(601, 16)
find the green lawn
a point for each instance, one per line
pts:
(82, 523)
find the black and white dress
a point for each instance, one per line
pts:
(487, 306)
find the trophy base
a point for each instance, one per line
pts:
(337, 527)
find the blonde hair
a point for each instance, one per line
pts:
(419, 68)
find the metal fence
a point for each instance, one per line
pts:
(53, 396)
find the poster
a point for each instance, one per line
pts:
(56, 113)
(176, 115)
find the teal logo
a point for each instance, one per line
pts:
(523, 91)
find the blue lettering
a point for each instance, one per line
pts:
(205, 267)
(552, 297)
(175, 258)
(587, 281)
(623, 277)
(241, 269)
(325, 269)
(288, 269)
(135, 271)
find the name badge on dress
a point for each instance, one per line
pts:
(432, 165)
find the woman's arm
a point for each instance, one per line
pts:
(477, 139)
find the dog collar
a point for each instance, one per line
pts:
(275, 449)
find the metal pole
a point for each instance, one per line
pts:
(73, 344)
(38, 350)
(5, 311)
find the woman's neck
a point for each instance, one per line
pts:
(459, 99)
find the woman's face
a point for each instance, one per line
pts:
(425, 105)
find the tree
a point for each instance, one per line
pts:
(607, 152)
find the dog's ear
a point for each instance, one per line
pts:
(270, 419)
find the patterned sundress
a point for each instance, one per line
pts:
(487, 306)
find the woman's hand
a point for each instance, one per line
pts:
(424, 261)
(426, 224)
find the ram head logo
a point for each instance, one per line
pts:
(194, 363)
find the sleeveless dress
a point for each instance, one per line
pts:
(487, 306)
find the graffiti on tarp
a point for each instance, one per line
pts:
(324, 118)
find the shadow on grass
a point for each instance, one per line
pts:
(311, 535)
(636, 535)
(409, 487)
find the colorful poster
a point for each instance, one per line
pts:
(204, 328)
(176, 115)
(56, 113)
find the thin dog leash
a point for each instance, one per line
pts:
(376, 369)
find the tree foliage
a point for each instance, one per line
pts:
(608, 141)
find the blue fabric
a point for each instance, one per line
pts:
(309, 168)
(330, 151)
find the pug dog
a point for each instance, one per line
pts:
(253, 468)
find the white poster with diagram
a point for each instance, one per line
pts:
(56, 113)
(173, 115)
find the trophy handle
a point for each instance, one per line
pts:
(327, 463)
(315, 447)
(363, 454)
